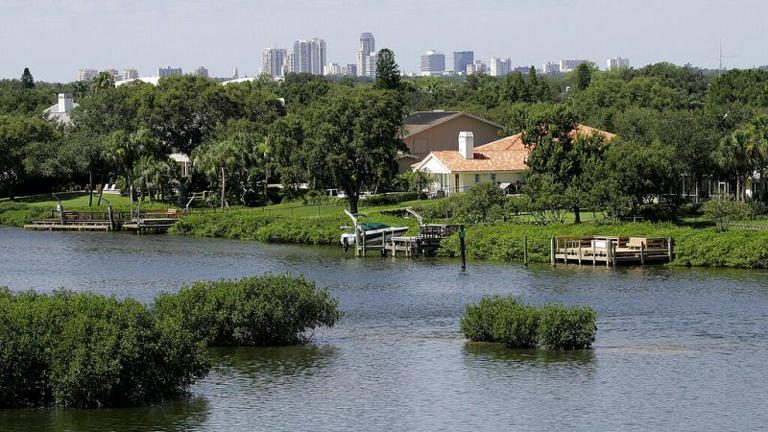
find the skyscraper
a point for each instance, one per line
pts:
(461, 59)
(432, 63)
(273, 61)
(617, 63)
(168, 71)
(130, 74)
(201, 72)
(500, 67)
(550, 68)
(366, 56)
(87, 74)
(309, 56)
(569, 65)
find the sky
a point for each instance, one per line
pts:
(56, 38)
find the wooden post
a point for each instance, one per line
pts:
(594, 253)
(669, 248)
(111, 218)
(552, 251)
(525, 250)
(463, 247)
(579, 251)
(642, 253)
(608, 257)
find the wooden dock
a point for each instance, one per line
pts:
(610, 250)
(153, 221)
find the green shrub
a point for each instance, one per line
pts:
(18, 214)
(86, 350)
(724, 211)
(506, 320)
(257, 311)
(567, 328)
(517, 327)
(478, 320)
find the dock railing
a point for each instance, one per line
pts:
(610, 250)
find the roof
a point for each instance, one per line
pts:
(506, 154)
(482, 161)
(53, 113)
(420, 121)
(515, 142)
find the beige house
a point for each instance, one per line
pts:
(502, 162)
(428, 131)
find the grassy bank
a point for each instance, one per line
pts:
(693, 246)
(500, 242)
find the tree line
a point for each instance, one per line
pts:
(677, 127)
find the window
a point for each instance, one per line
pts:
(493, 178)
(477, 178)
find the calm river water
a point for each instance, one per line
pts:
(677, 349)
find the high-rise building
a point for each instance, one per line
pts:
(432, 63)
(115, 74)
(477, 67)
(309, 56)
(550, 68)
(461, 59)
(332, 69)
(366, 56)
(273, 61)
(168, 71)
(617, 63)
(201, 72)
(129, 74)
(87, 74)
(349, 70)
(500, 67)
(569, 65)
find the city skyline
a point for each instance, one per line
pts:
(230, 40)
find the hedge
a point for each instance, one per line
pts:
(508, 321)
(85, 350)
(256, 311)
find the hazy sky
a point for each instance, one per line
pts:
(55, 38)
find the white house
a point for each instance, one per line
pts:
(60, 112)
(502, 162)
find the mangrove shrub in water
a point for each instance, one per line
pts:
(506, 320)
(256, 311)
(87, 350)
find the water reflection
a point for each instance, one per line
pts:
(486, 352)
(189, 414)
(276, 361)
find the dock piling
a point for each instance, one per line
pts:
(463, 247)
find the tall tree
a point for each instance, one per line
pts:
(387, 71)
(354, 137)
(103, 81)
(583, 76)
(27, 81)
(16, 134)
(559, 154)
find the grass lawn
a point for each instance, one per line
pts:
(79, 201)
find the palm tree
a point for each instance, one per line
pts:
(741, 153)
(218, 158)
(102, 81)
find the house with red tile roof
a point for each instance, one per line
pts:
(502, 162)
(427, 131)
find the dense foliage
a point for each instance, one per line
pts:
(508, 321)
(264, 310)
(86, 350)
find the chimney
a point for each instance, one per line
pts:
(65, 103)
(467, 145)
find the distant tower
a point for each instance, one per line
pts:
(366, 56)
(273, 61)
(235, 75)
(461, 59)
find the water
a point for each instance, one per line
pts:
(677, 349)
